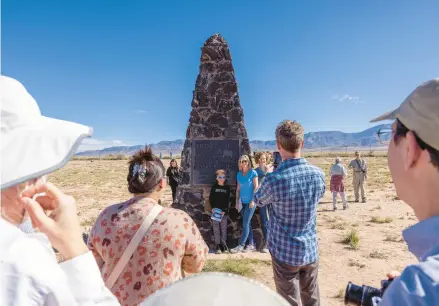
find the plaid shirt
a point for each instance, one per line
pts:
(293, 191)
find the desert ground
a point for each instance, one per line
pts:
(360, 244)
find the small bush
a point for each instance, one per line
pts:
(88, 222)
(378, 255)
(393, 238)
(352, 239)
(340, 294)
(356, 263)
(376, 219)
(338, 225)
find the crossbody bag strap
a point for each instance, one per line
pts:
(359, 165)
(132, 246)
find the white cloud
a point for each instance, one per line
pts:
(347, 98)
(98, 144)
(140, 111)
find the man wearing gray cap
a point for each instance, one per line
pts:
(413, 159)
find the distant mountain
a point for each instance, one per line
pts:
(313, 140)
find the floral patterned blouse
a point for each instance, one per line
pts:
(173, 243)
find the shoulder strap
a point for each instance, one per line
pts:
(359, 165)
(137, 238)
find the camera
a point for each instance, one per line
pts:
(362, 295)
(277, 159)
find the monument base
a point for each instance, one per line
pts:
(194, 201)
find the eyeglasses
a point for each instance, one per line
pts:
(244, 161)
(385, 135)
(221, 177)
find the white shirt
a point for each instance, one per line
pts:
(30, 274)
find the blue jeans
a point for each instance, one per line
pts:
(264, 212)
(247, 231)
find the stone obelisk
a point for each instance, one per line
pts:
(215, 139)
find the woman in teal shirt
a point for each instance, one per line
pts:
(247, 183)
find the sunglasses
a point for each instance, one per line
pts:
(221, 177)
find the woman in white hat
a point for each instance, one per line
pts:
(31, 147)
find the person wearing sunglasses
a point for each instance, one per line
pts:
(247, 184)
(220, 201)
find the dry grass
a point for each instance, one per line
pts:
(378, 255)
(356, 263)
(339, 225)
(352, 239)
(89, 222)
(340, 293)
(244, 267)
(380, 220)
(394, 238)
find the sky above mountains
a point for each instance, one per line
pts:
(128, 68)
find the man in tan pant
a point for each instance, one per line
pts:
(359, 166)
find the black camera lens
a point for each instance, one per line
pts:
(353, 294)
(360, 295)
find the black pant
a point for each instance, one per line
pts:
(174, 191)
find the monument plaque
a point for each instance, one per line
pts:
(211, 155)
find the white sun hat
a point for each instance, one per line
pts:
(215, 289)
(32, 145)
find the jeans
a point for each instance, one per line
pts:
(220, 230)
(247, 231)
(264, 213)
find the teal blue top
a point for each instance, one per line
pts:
(246, 185)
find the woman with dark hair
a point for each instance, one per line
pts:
(173, 174)
(169, 243)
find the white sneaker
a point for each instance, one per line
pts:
(250, 248)
(238, 249)
(265, 249)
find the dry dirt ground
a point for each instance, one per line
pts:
(374, 248)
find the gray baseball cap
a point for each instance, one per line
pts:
(420, 112)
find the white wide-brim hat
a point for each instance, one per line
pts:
(32, 145)
(215, 289)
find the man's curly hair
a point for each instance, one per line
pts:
(290, 135)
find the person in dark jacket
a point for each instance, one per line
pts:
(173, 174)
(219, 201)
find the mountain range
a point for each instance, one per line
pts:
(313, 140)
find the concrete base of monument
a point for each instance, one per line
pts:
(195, 201)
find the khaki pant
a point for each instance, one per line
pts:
(359, 182)
(298, 285)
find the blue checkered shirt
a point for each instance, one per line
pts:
(293, 191)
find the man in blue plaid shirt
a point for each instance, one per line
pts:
(293, 191)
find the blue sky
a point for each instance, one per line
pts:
(128, 68)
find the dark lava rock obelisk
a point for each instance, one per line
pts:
(215, 139)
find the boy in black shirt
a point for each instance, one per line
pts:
(219, 199)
